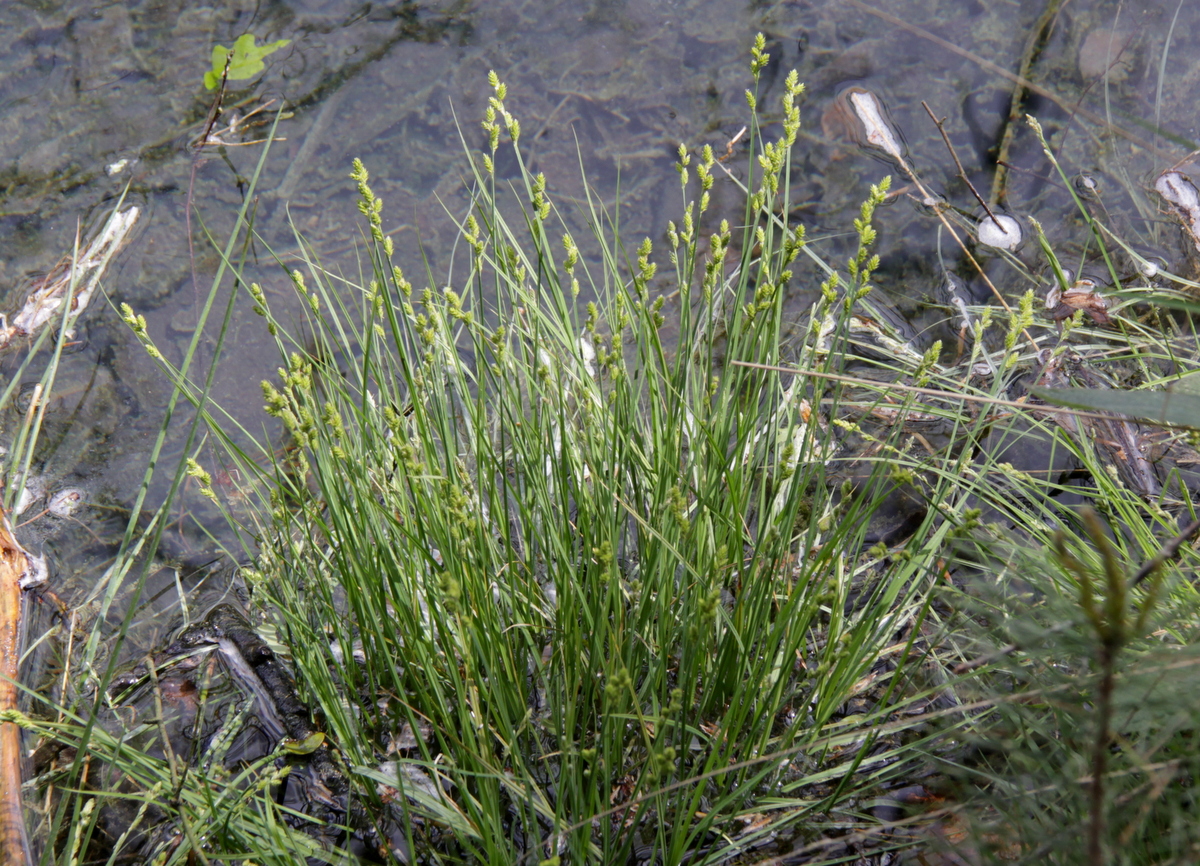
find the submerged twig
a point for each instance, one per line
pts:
(213, 113)
(214, 110)
(1033, 48)
(984, 63)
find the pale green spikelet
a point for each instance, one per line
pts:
(368, 204)
(539, 202)
(401, 283)
(928, 362)
(572, 251)
(201, 475)
(1022, 318)
(759, 57)
(260, 299)
(829, 287)
(195, 470)
(136, 323)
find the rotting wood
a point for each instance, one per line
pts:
(14, 565)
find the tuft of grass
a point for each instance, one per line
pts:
(605, 575)
(576, 558)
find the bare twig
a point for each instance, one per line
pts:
(941, 127)
(1168, 551)
(1003, 652)
(215, 110)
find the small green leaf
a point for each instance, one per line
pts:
(245, 59)
(303, 747)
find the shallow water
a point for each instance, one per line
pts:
(616, 87)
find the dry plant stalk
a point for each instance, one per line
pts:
(14, 565)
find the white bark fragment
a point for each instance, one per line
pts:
(879, 132)
(47, 300)
(1184, 198)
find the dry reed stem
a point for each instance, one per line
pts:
(14, 841)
